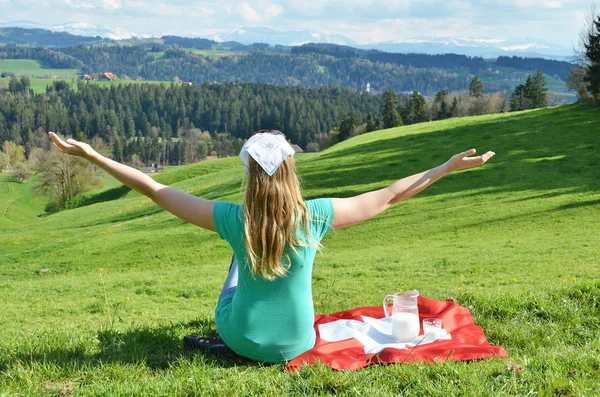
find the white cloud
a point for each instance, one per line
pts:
(112, 5)
(248, 13)
(79, 4)
(361, 20)
(258, 13)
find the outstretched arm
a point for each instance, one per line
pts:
(353, 210)
(190, 208)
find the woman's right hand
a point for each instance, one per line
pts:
(71, 146)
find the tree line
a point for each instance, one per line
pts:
(49, 57)
(400, 109)
(441, 61)
(548, 66)
(129, 115)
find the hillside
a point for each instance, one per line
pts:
(514, 241)
(315, 65)
(538, 166)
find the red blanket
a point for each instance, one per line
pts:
(468, 341)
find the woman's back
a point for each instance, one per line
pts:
(270, 320)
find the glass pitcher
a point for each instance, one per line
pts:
(405, 315)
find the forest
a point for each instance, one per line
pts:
(313, 65)
(441, 61)
(128, 115)
(548, 66)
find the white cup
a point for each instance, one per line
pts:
(432, 328)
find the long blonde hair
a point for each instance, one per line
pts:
(274, 213)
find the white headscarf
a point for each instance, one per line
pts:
(268, 150)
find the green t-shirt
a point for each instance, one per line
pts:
(264, 320)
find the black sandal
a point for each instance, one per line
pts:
(213, 344)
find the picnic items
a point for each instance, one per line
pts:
(405, 315)
(464, 339)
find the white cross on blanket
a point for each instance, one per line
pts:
(374, 333)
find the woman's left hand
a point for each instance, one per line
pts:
(462, 160)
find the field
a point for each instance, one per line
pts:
(96, 299)
(215, 54)
(34, 69)
(39, 85)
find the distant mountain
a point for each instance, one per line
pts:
(249, 35)
(487, 48)
(40, 37)
(86, 29)
(481, 47)
(22, 24)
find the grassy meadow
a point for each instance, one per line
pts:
(96, 299)
(39, 85)
(34, 69)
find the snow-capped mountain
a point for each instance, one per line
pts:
(487, 48)
(86, 29)
(250, 35)
(78, 29)
(484, 47)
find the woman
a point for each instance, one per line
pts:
(265, 310)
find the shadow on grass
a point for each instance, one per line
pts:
(540, 150)
(579, 204)
(157, 348)
(107, 195)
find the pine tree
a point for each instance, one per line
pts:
(476, 87)
(346, 126)
(454, 110)
(539, 96)
(528, 93)
(592, 55)
(418, 106)
(371, 123)
(442, 109)
(518, 98)
(13, 85)
(117, 148)
(391, 117)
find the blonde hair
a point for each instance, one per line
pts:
(274, 213)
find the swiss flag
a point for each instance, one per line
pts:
(467, 340)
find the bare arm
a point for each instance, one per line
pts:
(190, 208)
(353, 210)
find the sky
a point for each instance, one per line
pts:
(364, 21)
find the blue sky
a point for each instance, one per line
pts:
(364, 21)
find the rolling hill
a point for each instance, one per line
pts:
(515, 241)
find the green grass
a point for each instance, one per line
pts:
(215, 54)
(34, 69)
(515, 241)
(39, 85)
(108, 83)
